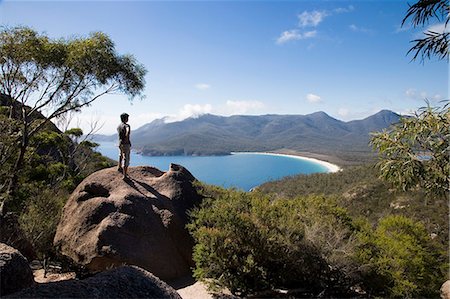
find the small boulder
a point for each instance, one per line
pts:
(140, 221)
(445, 290)
(15, 273)
(11, 234)
(122, 282)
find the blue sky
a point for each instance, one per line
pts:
(347, 58)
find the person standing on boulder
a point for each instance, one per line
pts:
(124, 131)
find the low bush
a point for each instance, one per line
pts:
(252, 242)
(40, 219)
(248, 242)
(401, 260)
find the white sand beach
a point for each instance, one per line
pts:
(330, 166)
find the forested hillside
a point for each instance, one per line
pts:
(360, 190)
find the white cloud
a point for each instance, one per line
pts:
(438, 97)
(139, 120)
(411, 93)
(107, 124)
(422, 95)
(202, 86)
(311, 18)
(315, 17)
(312, 98)
(349, 8)
(407, 111)
(435, 28)
(243, 107)
(344, 112)
(355, 28)
(403, 28)
(438, 28)
(309, 34)
(190, 110)
(288, 36)
(294, 34)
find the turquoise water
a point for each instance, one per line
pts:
(243, 171)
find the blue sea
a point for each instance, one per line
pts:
(240, 170)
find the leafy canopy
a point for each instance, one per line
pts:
(52, 77)
(415, 152)
(433, 43)
(64, 74)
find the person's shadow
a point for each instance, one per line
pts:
(134, 184)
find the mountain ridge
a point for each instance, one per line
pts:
(211, 134)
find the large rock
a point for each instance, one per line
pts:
(141, 221)
(445, 290)
(122, 282)
(15, 273)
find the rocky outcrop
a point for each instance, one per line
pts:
(15, 273)
(445, 290)
(122, 282)
(140, 221)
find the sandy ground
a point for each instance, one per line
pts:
(194, 291)
(330, 166)
(39, 276)
(189, 288)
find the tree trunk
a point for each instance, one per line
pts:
(12, 187)
(18, 165)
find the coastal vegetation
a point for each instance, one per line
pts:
(361, 234)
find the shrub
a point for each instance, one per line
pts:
(248, 242)
(40, 219)
(401, 259)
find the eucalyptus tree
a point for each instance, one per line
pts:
(435, 41)
(52, 77)
(416, 151)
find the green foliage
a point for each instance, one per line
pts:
(56, 76)
(249, 242)
(321, 183)
(416, 151)
(89, 144)
(401, 259)
(400, 263)
(76, 132)
(363, 193)
(40, 218)
(434, 43)
(53, 166)
(71, 69)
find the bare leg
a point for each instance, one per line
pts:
(126, 159)
(125, 170)
(119, 167)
